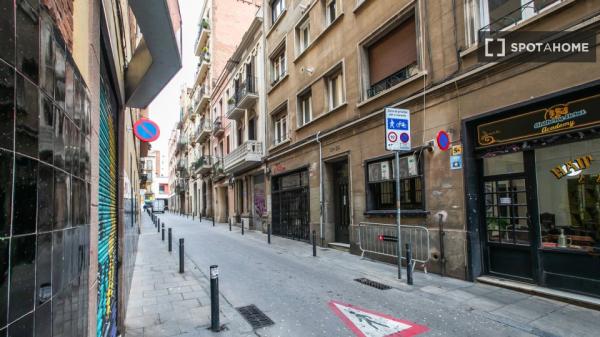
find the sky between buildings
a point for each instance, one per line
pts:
(164, 110)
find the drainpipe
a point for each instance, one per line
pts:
(321, 208)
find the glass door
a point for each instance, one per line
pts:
(507, 210)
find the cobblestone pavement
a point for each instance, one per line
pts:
(165, 303)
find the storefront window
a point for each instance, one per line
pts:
(568, 182)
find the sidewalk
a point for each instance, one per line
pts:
(164, 303)
(532, 314)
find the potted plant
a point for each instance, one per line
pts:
(231, 100)
(204, 23)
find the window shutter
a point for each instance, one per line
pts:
(393, 52)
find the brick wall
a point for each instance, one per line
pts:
(62, 14)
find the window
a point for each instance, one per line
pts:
(331, 11)
(280, 129)
(335, 90)
(568, 182)
(381, 184)
(392, 57)
(496, 15)
(303, 35)
(278, 66)
(240, 135)
(252, 128)
(304, 108)
(277, 8)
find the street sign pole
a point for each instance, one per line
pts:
(398, 138)
(398, 214)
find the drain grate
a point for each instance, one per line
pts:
(254, 316)
(372, 283)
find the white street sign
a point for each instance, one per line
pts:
(365, 323)
(397, 130)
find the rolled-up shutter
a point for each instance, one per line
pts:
(107, 217)
(393, 52)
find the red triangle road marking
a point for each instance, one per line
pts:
(367, 323)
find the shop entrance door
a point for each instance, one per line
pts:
(291, 204)
(507, 211)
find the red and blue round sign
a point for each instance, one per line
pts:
(146, 130)
(443, 140)
(404, 137)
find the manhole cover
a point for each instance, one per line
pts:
(372, 283)
(254, 316)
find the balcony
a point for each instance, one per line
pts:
(181, 146)
(247, 93)
(217, 168)
(201, 100)
(245, 156)
(203, 67)
(233, 111)
(392, 80)
(203, 36)
(203, 165)
(203, 131)
(217, 127)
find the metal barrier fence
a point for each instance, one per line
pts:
(381, 239)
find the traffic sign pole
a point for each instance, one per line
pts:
(398, 214)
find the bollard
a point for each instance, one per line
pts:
(229, 225)
(242, 228)
(213, 219)
(181, 266)
(214, 298)
(158, 228)
(314, 243)
(269, 233)
(409, 274)
(170, 240)
(193, 216)
(163, 232)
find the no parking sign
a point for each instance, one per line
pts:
(397, 129)
(146, 130)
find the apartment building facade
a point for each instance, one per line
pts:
(243, 88)
(222, 25)
(70, 164)
(334, 65)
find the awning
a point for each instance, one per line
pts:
(157, 57)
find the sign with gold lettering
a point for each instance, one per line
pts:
(560, 118)
(572, 168)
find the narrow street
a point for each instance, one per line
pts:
(294, 289)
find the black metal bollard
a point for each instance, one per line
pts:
(213, 219)
(170, 240)
(409, 274)
(242, 228)
(229, 225)
(158, 228)
(193, 216)
(269, 233)
(181, 266)
(314, 243)
(214, 298)
(163, 232)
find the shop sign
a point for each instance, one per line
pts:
(572, 168)
(560, 118)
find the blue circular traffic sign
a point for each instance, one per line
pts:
(404, 137)
(146, 130)
(443, 140)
